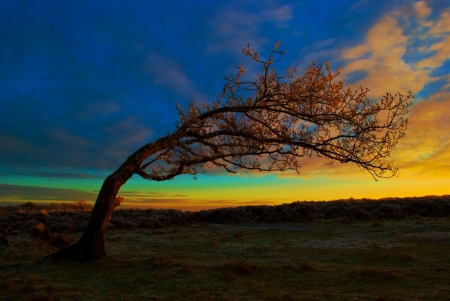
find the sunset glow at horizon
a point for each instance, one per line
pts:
(85, 85)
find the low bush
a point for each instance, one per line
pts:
(349, 210)
(60, 218)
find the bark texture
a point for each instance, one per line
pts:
(91, 245)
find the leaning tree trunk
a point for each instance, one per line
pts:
(91, 245)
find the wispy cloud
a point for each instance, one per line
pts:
(239, 23)
(170, 74)
(442, 26)
(439, 51)
(11, 193)
(392, 54)
(425, 151)
(382, 57)
(392, 59)
(148, 197)
(233, 27)
(280, 15)
(23, 193)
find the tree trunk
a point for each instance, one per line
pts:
(91, 245)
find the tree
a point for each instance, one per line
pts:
(267, 124)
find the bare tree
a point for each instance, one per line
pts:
(267, 124)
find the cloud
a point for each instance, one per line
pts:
(422, 9)
(22, 193)
(356, 52)
(425, 151)
(10, 193)
(142, 196)
(386, 37)
(129, 131)
(239, 23)
(168, 73)
(392, 55)
(436, 37)
(382, 56)
(53, 149)
(279, 15)
(442, 26)
(440, 52)
(233, 27)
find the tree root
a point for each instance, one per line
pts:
(76, 252)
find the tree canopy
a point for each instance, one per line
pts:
(270, 123)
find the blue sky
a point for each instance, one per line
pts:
(85, 83)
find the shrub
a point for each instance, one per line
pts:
(69, 217)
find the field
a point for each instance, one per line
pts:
(342, 258)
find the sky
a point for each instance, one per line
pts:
(85, 83)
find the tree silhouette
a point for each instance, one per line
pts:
(267, 124)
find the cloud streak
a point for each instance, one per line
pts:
(15, 193)
(392, 59)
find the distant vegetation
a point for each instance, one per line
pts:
(73, 217)
(343, 210)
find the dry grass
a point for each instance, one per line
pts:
(398, 260)
(161, 263)
(404, 259)
(241, 267)
(307, 266)
(186, 269)
(378, 274)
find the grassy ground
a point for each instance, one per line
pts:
(328, 260)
